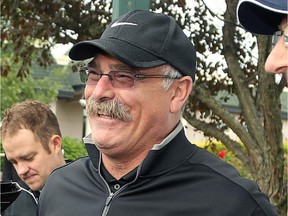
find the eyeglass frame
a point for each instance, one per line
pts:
(278, 34)
(136, 75)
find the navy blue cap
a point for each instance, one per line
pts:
(142, 39)
(261, 16)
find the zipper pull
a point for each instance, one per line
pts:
(109, 198)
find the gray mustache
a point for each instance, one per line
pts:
(113, 108)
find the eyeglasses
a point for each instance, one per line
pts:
(278, 34)
(118, 78)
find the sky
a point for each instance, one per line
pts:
(60, 53)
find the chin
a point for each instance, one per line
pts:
(102, 143)
(35, 187)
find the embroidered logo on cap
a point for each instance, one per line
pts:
(122, 23)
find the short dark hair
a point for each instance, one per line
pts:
(32, 115)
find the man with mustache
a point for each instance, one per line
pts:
(268, 17)
(140, 161)
(32, 142)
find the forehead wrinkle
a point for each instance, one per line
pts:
(93, 64)
(120, 66)
(112, 66)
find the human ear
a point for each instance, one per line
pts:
(181, 93)
(56, 143)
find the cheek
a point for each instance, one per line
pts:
(153, 108)
(87, 92)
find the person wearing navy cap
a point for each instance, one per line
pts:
(140, 161)
(268, 17)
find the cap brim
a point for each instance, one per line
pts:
(260, 17)
(123, 51)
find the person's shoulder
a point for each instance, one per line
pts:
(215, 166)
(71, 168)
(70, 172)
(215, 169)
(25, 205)
(204, 157)
(66, 177)
(75, 165)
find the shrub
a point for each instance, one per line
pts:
(228, 156)
(73, 148)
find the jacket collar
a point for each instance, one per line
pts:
(161, 158)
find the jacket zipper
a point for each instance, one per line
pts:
(109, 198)
(112, 195)
(107, 204)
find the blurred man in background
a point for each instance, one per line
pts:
(32, 142)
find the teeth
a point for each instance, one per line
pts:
(102, 113)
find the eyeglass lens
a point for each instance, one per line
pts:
(278, 34)
(119, 79)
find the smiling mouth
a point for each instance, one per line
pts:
(101, 113)
(112, 109)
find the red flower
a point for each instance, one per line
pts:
(222, 153)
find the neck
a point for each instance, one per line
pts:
(62, 161)
(118, 168)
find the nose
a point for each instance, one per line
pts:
(108, 75)
(21, 168)
(277, 61)
(103, 89)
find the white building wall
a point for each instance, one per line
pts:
(70, 118)
(197, 137)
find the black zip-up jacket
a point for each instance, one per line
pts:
(177, 179)
(26, 204)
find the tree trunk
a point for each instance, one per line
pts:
(260, 129)
(263, 122)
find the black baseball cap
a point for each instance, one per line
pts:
(142, 39)
(261, 16)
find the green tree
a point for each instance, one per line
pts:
(15, 88)
(36, 25)
(242, 72)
